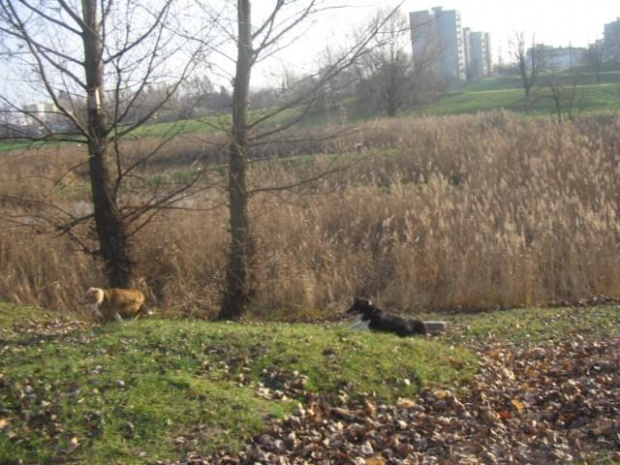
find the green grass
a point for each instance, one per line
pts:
(589, 98)
(472, 102)
(581, 78)
(116, 393)
(534, 325)
(507, 93)
(205, 125)
(178, 177)
(23, 144)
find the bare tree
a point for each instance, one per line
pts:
(530, 63)
(194, 98)
(388, 71)
(253, 42)
(95, 61)
(388, 67)
(594, 59)
(564, 92)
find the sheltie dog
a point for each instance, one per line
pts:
(108, 304)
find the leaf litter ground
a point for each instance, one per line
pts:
(549, 393)
(547, 390)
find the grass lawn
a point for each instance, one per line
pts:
(22, 144)
(588, 99)
(540, 326)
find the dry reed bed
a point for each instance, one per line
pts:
(464, 212)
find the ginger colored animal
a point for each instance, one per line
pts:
(108, 304)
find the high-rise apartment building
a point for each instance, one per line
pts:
(477, 54)
(423, 33)
(611, 41)
(41, 112)
(439, 32)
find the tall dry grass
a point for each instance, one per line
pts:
(466, 212)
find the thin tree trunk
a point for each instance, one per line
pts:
(527, 99)
(238, 280)
(109, 224)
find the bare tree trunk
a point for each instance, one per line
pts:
(108, 220)
(238, 280)
(527, 89)
(529, 63)
(392, 90)
(527, 80)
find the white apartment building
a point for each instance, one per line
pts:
(40, 112)
(477, 54)
(439, 32)
(611, 41)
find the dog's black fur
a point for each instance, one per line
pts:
(382, 321)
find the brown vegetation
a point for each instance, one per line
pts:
(464, 212)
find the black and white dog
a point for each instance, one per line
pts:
(375, 319)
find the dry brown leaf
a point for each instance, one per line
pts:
(504, 414)
(518, 405)
(375, 461)
(605, 426)
(369, 408)
(403, 402)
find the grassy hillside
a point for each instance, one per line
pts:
(507, 93)
(149, 389)
(144, 391)
(593, 94)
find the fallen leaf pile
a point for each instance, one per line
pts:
(32, 332)
(549, 404)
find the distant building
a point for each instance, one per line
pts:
(423, 34)
(13, 131)
(478, 58)
(41, 112)
(563, 58)
(439, 31)
(611, 41)
(559, 58)
(44, 118)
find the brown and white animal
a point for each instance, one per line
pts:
(108, 304)
(375, 319)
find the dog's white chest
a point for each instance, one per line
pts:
(361, 324)
(94, 308)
